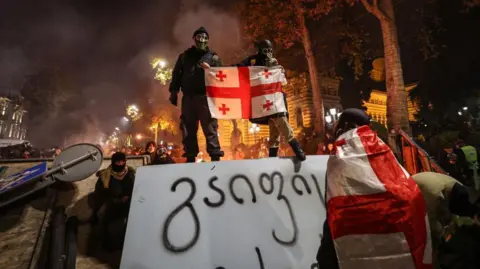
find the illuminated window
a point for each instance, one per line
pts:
(3, 107)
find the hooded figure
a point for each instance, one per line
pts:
(442, 195)
(114, 190)
(277, 123)
(189, 77)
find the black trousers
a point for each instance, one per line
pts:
(195, 110)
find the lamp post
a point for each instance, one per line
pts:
(254, 130)
(331, 116)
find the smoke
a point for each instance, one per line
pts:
(223, 27)
(14, 67)
(107, 50)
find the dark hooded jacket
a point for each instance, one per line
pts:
(261, 60)
(188, 75)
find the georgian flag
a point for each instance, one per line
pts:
(375, 211)
(245, 92)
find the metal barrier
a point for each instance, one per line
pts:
(416, 159)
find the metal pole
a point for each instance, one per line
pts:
(156, 133)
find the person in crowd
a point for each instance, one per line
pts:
(162, 156)
(277, 123)
(57, 152)
(151, 150)
(113, 190)
(189, 76)
(467, 166)
(443, 197)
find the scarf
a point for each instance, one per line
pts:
(108, 173)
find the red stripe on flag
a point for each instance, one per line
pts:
(264, 89)
(400, 209)
(396, 182)
(244, 77)
(242, 92)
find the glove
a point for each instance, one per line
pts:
(173, 98)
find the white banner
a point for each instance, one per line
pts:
(251, 214)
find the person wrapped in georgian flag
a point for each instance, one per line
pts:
(376, 215)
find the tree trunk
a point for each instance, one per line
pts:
(318, 123)
(397, 102)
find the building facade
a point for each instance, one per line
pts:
(377, 105)
(12, 119)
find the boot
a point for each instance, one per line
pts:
(215, 158)
(272, 152)
(298, 150)
(190, 159)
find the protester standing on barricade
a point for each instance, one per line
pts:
(189, 77)
(277, 123)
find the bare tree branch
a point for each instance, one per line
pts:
(374, 9)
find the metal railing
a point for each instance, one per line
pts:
(416, 159)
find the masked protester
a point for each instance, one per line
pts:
(277, 123)
(189, 76)
(162, 157)
(114, 190)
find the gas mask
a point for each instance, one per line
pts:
(201, 41)
(267, 52)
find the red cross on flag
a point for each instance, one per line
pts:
(245, 92)
(375, 211)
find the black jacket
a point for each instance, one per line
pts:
(261, 60)
(188, 75)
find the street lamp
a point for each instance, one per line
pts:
(328, 119)
(465, 108)
(125, 119)
(116, 128)
(139, 136)
(333, 112)
(254, 130)
(162, 64)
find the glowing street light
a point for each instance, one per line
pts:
(328, 119)
(333, 112)
(162, 72)
(139, 136)
(465, 108)
(125, 119)
(116, 128)
(459, 113)
(254, 130)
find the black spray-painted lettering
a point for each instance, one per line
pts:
(252, 190)
(304, 181)
(188, 203)
(280, 197)
(218, 190)
(260, 259)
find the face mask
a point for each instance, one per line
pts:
(267, 52)
(201, 41)
(118, 168)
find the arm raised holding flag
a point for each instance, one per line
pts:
(253, 90)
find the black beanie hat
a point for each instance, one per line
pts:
(118, 156)
(355, 116)
(200, 30)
